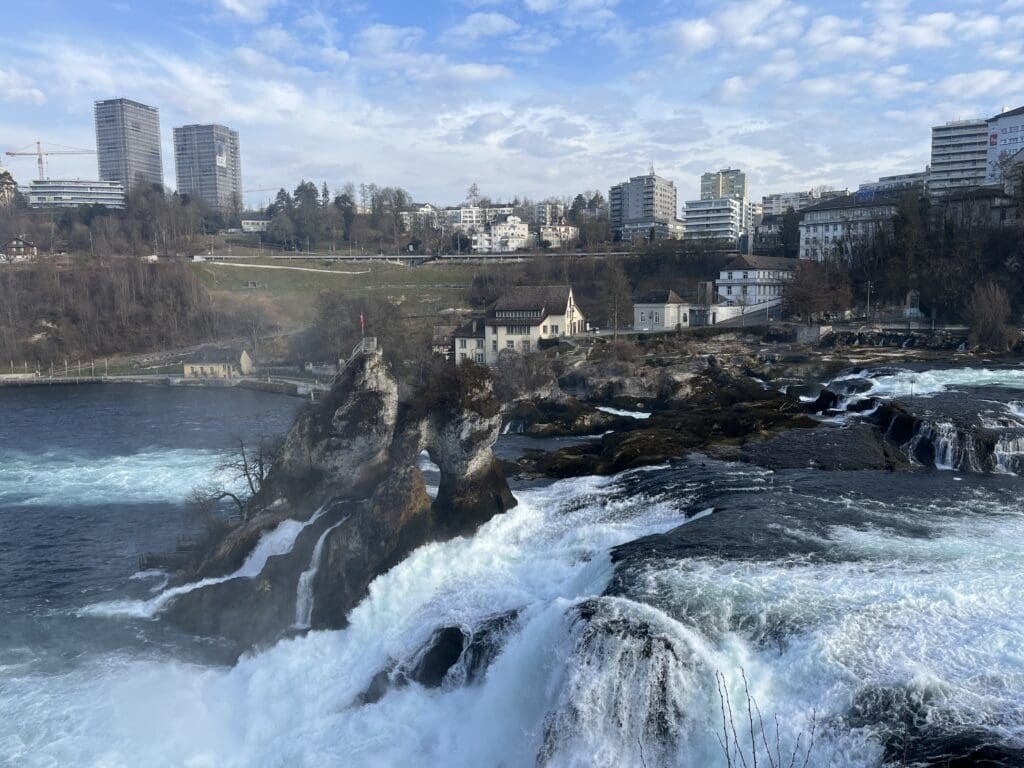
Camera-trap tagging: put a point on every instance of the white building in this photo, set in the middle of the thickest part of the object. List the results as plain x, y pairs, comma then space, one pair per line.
508, 236
661, 310
469, 218
830, 229
547, 214
422, 216
558, 235
754, 282
1005, 139
778, 203
894, 185
959, 156
719, 218
71, 193
524, 319
255, 225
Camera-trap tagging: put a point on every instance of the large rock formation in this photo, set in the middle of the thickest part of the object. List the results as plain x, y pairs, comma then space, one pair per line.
354, 458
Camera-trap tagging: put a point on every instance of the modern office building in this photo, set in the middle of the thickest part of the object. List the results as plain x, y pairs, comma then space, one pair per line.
1005, 140
128, 142
720, 218
71, 193
208, 165
898, 184
643, 205
728, 182
959, 156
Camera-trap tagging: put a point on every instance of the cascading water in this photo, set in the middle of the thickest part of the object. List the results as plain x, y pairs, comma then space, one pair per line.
304, 593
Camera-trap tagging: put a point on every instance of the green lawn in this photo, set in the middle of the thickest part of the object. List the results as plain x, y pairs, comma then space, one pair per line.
420, 289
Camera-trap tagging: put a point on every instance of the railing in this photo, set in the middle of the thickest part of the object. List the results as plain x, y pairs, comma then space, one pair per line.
365, 346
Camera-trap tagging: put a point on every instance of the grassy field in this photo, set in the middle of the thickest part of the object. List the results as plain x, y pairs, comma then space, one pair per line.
292, 286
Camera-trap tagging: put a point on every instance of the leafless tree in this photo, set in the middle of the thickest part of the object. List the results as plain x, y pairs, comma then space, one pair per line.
988, 314
242, 474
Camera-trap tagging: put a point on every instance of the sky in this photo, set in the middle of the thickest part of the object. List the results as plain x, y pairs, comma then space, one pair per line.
533, 98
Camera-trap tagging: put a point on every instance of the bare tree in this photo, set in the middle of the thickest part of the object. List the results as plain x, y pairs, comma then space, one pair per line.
988, 314
242, 475
618, 297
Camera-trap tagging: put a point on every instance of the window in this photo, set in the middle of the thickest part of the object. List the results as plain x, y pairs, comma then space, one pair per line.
462, 343
510, 344
642, 318
526, 345
479, 343
544, 329
479, 357
494, 345
554, 329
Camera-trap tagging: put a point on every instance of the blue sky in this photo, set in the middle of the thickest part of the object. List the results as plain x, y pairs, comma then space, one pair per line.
532, 97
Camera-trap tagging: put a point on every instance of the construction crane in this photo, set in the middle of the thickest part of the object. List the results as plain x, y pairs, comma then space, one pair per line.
39, 153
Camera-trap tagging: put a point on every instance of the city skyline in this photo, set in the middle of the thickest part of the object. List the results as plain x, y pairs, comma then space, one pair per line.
539, 98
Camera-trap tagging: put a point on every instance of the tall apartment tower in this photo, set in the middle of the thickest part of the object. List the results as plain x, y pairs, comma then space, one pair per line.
728, 182
128, 142
959, 156
642, 204
208, 165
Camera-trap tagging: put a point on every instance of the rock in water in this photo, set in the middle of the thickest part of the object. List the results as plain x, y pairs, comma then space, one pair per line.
357, 450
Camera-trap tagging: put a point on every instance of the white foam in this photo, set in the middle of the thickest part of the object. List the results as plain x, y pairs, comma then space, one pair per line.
304, 592
277, 541
59, 479
904, 383
620, 412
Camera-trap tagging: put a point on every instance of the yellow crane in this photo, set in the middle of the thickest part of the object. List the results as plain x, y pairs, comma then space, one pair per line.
39, 153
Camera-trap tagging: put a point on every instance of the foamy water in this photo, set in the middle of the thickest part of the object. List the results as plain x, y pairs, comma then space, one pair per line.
152, 476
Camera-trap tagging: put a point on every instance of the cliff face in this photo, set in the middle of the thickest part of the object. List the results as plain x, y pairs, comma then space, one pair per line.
354, 458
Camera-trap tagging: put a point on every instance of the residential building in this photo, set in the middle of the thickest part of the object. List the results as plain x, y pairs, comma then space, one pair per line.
71, 193
208, 165
547, 214
422, 215
768, 231
898, 184
17, 249
128, 142
980, 207
508, 236
217, 363
1005, 139
527, 317
469, 218
778, 203
754, 282
831, 228
715, 219
559, 234
469, 343
959, 156
252, 225
442, 339
644, 206
728, 182
661, 310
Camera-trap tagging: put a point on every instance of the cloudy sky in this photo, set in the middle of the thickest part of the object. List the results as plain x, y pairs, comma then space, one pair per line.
528, 97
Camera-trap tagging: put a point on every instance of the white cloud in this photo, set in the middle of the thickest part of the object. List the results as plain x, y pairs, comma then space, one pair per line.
16, 87
275, 39
969, 85
693, 35
480, 25
252, 11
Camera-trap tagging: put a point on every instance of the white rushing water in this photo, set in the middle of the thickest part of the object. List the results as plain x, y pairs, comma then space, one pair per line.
304, 592
277, 541
940, 615
904, 383
640, 415
147, 477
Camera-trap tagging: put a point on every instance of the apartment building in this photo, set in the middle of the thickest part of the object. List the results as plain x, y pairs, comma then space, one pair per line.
1005, 140
728, 182
643, 206
208, 165
559, 235
506, 236
832, 228
71, 193
128, 142
720, 218
959, 156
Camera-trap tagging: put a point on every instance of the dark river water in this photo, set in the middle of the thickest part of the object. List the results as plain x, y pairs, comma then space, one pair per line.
878, 618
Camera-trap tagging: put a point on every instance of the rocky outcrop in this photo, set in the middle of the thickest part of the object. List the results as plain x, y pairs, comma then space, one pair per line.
563, 417
354, 458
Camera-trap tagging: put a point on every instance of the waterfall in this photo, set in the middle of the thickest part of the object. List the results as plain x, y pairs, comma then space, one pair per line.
277, 541
1008, 455
304, 593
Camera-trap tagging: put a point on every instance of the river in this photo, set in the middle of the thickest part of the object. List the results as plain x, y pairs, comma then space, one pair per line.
876, 617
